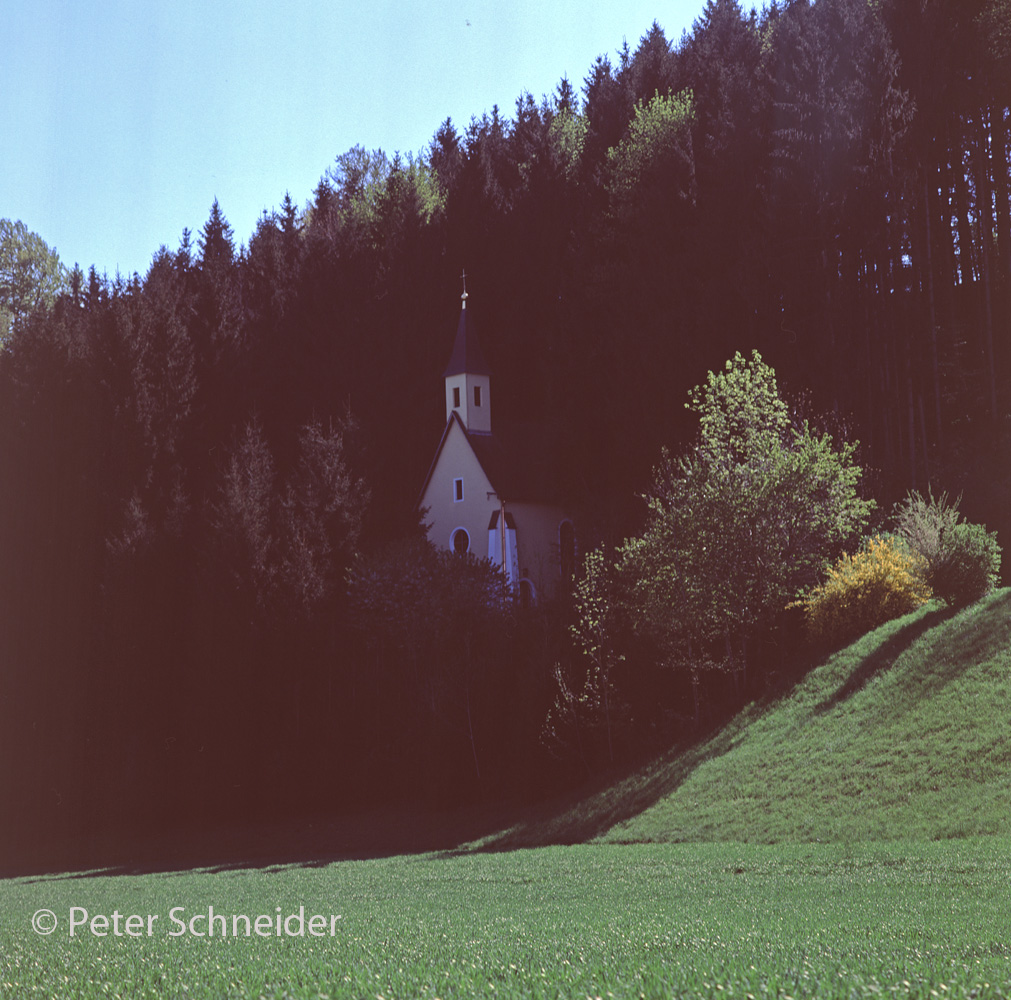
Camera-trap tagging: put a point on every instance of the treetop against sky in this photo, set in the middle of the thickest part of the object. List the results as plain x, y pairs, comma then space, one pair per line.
124, 121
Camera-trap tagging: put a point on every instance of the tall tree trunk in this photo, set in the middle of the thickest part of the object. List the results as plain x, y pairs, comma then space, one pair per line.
871, 369
999, 131
728, 652
470, 721
893, 411
606, 679
931, 307
829, 320
470, 733
910, 406
984, 206
947, 215
945, 256
923, 437
884, 340
967, 269
695, 681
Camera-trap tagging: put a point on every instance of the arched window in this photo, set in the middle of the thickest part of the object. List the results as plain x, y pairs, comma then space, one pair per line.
528, 596
461, 541
567, 549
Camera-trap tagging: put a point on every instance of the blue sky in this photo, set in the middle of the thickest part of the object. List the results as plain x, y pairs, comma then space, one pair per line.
122, 120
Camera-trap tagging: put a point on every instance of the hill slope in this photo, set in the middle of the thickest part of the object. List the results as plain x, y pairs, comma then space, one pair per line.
904, 734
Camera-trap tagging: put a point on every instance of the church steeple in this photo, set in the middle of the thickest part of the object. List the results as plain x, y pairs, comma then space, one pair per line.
467, 376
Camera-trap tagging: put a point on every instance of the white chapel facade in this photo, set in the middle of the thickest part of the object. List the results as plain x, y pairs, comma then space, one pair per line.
481, 477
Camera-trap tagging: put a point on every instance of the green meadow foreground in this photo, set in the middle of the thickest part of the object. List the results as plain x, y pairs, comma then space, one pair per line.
710, 920
850, 840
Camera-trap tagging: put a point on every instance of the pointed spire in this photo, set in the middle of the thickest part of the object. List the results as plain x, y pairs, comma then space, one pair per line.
467, 356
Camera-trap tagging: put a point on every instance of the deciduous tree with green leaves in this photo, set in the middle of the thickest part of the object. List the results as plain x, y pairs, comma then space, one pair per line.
740, 524
591, 699
31, 275
653, 168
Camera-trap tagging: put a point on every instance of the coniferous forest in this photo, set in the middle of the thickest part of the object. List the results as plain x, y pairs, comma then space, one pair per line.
215, 600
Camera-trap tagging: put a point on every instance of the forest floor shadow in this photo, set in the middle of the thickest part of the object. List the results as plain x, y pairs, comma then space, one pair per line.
271, 845
617, 797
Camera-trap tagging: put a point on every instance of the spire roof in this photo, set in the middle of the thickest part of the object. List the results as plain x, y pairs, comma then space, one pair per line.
467, 355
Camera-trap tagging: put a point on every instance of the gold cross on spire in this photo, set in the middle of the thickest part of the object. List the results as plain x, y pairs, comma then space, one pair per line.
463, 298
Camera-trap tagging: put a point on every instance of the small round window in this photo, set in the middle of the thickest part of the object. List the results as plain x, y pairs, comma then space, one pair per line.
461, 541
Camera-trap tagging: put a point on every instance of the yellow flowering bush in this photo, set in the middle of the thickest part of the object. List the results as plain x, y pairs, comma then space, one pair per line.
882, 581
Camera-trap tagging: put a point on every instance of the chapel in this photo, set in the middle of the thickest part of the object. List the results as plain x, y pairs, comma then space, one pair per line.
489, 490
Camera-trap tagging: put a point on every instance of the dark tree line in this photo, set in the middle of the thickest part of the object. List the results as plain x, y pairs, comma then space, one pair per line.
197, 462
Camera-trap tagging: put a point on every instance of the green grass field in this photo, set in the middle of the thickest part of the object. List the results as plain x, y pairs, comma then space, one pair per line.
712, 920
850, 840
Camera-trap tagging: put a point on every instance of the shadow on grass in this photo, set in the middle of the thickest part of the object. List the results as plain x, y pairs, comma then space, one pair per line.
581, 814
977, 635
883, 658
583, 817
274, 846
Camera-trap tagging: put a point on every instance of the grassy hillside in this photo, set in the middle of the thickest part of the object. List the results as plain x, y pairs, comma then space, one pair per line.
905, 734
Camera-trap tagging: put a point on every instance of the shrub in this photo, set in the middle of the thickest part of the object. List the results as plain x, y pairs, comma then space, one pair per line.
921, 522
967, 565
882, 581
962, 560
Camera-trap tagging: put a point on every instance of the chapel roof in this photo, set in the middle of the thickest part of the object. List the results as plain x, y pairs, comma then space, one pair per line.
467, 355
519, 464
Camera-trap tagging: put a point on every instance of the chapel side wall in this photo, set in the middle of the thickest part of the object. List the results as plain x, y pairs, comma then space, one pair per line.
537, 531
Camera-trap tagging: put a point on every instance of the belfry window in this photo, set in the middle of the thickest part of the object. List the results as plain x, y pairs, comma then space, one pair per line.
456, 397
457, 490
477, 395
